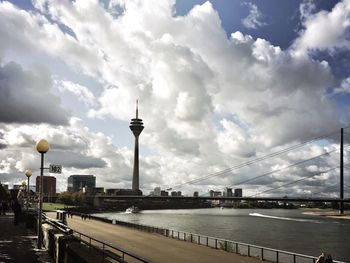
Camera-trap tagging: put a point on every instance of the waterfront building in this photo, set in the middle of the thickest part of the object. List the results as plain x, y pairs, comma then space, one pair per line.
179, 193
195, 194
136, 126
119, 191
98, 190
49, 185
77, 182
228, 192
164, 193
238, 192
173, 193
213, 193
156, 192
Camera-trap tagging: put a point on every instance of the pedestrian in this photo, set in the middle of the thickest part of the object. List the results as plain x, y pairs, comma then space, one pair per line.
16, 207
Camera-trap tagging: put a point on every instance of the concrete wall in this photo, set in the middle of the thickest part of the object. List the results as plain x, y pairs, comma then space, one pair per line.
64, 248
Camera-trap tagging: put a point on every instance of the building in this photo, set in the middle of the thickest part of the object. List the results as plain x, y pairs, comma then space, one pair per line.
136, 126
213, 193
49, 185
238, 192
164, 193
98, 190
117, 191
77, 182
156, 192
228, 192
195, 194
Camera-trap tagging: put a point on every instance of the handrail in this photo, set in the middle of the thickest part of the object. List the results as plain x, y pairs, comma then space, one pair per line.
64, 228
124, 252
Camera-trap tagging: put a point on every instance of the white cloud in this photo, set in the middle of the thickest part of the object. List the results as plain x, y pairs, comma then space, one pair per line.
344, 87
208, 101
325, 30
81, 92
253, 20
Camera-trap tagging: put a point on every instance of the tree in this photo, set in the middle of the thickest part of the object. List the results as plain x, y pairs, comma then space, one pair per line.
3, 194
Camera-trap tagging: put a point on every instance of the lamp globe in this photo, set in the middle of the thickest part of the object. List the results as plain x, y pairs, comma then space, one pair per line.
42, 146
28, 173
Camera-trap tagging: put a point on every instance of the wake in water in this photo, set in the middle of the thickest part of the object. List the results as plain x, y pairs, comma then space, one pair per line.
286, 218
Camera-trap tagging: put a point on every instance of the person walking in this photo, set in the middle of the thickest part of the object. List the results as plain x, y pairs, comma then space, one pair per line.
16, 208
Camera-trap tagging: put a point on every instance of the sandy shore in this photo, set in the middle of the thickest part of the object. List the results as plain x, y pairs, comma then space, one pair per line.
327, 213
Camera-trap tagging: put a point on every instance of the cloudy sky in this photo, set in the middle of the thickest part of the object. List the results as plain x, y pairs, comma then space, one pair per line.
219, 83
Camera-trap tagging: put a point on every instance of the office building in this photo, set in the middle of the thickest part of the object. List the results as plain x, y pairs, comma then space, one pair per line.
238, 192
49, 185
77, 182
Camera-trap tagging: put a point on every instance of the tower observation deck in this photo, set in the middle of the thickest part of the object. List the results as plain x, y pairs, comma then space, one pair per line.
136, 126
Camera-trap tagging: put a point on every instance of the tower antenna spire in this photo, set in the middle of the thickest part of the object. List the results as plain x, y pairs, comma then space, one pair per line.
137, 109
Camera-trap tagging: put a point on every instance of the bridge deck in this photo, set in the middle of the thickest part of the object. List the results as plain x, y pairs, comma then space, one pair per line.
152, 246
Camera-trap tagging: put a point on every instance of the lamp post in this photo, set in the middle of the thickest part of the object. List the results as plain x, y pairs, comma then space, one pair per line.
28, 173
42, 147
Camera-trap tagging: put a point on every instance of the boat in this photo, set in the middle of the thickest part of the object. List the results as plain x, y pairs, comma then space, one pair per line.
132, 210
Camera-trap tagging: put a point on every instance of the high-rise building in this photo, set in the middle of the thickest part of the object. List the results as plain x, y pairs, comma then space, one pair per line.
136, 126
228, 192
238, 192
49, 185
78, 181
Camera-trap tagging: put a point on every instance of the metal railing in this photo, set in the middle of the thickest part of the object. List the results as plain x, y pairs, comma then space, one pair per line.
263, 253
107, 250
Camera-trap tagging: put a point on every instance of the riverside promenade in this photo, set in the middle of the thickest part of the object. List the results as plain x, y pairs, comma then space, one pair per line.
151, 246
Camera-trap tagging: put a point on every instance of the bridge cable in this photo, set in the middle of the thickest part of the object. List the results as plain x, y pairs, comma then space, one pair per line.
274, 154
293, 182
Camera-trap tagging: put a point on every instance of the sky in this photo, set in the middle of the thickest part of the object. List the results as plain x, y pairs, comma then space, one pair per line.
220, 84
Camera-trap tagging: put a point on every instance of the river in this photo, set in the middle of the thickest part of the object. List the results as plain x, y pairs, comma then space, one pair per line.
289, 230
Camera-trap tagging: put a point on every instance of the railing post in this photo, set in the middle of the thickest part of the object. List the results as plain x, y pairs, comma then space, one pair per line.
185, 236
277, 260
248, 251
191, 238
216, 243
178, 234
207, 241
262, 254
236, 248
199, 239
225, 245
294, 258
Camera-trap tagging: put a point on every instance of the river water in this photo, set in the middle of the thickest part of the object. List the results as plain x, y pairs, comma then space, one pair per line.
289, 230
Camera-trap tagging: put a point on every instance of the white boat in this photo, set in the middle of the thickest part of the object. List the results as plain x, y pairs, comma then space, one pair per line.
132, 210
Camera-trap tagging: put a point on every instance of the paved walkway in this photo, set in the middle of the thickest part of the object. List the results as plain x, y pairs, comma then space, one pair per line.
153, 246
17, 243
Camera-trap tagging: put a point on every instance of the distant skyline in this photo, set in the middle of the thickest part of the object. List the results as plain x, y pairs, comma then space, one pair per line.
219, 83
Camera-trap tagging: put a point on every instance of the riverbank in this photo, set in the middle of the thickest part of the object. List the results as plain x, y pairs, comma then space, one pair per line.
328, 213
151, 246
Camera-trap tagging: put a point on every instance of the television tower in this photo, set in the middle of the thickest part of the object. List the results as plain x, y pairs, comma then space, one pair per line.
136, 126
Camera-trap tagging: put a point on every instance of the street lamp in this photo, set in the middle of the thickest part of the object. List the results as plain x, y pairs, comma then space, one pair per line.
42, 147
28, 173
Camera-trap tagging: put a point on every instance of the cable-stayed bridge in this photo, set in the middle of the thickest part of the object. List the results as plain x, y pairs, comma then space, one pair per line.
320, 196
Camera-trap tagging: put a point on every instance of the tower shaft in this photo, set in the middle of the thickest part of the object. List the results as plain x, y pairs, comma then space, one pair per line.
135, 176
